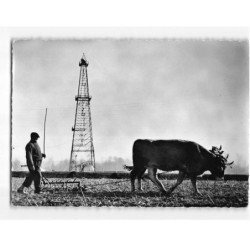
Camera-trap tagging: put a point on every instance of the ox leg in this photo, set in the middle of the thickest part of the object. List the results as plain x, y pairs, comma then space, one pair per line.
180, 179
155, 180
139, 176
132, 178
193, 180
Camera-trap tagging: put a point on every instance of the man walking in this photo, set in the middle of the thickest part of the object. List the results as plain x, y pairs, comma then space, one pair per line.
34, 161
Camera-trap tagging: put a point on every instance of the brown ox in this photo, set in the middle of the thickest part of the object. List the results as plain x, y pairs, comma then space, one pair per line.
187, 157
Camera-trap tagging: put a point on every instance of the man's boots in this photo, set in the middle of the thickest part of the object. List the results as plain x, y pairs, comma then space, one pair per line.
20, 189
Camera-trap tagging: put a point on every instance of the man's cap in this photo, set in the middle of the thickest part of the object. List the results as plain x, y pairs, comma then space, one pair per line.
34, 135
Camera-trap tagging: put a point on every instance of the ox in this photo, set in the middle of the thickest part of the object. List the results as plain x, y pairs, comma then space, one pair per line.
187, 157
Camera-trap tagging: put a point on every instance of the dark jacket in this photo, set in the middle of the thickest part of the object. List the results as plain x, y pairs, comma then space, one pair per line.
33, 154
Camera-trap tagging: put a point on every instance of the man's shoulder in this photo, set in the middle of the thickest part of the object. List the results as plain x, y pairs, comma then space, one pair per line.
29, 145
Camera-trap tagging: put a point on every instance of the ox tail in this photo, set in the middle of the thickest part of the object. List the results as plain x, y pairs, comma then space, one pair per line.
128, 168
138, 160
139, 147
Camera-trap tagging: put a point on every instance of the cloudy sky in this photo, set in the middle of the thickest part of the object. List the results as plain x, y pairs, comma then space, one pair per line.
158, 89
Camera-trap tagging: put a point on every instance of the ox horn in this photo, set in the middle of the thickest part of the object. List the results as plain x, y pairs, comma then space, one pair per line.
225, 158
221, 152
230, 163
220, 148
213, 149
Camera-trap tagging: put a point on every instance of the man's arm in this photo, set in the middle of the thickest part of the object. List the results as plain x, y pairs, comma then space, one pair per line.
29, 157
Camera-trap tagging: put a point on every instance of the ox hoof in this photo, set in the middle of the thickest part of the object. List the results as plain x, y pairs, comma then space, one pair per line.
166, 193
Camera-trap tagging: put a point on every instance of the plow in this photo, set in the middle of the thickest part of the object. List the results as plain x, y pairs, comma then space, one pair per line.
65, 183
61, 184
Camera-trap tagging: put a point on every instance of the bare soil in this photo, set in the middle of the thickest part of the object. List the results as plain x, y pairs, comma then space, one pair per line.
116, 193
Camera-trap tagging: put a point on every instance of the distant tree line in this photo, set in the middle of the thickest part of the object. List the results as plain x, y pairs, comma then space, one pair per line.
110, 164
114, 163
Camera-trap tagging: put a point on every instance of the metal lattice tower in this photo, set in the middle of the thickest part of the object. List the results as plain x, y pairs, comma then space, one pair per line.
82, 151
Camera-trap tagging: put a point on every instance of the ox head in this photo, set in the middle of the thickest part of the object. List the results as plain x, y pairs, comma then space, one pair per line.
219, 162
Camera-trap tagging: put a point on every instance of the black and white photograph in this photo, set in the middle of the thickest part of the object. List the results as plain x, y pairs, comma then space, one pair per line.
124, 124
129, 122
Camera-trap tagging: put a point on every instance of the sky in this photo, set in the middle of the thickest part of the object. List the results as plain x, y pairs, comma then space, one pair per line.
141, 88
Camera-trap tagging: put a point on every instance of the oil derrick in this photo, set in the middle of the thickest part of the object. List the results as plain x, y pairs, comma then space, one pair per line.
82, 152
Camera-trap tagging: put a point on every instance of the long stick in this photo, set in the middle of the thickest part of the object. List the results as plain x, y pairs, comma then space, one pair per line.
44, 129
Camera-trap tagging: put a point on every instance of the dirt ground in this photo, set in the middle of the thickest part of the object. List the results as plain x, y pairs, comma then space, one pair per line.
116, 193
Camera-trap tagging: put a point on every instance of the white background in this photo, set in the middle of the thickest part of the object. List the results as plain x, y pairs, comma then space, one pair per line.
168, 228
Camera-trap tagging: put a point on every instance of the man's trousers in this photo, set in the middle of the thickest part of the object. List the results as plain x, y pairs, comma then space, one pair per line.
34, 175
